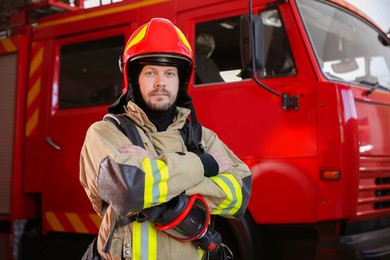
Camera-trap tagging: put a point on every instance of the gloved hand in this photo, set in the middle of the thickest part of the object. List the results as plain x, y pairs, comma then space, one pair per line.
216, 162
210, 165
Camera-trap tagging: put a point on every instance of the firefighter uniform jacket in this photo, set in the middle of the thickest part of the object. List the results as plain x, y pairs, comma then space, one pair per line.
129, 184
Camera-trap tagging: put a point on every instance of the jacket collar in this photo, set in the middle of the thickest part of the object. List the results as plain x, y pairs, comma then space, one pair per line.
141, 119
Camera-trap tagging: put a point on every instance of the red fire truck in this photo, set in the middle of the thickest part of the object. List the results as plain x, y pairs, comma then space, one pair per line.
299, 89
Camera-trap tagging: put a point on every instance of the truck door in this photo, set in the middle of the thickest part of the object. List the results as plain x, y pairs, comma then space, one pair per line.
86, 80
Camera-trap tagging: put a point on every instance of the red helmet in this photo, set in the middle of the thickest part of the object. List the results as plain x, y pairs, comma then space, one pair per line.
158, 42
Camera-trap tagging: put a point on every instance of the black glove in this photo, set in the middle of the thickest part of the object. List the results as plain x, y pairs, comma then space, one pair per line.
210, 165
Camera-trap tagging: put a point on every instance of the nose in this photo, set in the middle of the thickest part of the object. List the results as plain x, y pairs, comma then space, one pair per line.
160, 82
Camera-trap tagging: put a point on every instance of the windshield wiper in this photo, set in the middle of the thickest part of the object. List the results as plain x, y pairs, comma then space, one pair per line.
374, 86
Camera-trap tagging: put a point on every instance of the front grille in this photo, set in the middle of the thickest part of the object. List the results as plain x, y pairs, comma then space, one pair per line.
380, 181
374, 185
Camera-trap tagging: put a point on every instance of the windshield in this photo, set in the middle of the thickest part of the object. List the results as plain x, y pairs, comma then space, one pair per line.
347, 48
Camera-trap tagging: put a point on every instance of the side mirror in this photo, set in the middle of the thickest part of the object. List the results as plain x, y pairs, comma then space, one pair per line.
252, 41
253, 56
385, 40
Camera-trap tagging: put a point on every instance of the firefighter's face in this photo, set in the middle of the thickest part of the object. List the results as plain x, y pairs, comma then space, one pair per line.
159, 86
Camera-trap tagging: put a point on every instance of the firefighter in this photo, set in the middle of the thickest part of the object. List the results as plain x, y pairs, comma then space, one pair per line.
123, 180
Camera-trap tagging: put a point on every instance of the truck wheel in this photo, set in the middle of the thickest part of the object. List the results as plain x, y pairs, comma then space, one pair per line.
54, 245
32, 244
244, 238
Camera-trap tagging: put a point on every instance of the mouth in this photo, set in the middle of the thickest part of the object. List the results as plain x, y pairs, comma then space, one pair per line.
159, 94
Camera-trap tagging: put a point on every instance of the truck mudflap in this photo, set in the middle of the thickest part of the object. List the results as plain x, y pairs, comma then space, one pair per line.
373, 244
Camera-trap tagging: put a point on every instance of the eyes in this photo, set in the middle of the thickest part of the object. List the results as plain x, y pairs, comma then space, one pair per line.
169, 73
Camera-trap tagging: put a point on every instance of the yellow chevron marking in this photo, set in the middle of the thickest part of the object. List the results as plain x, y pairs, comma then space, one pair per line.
36, 61
76, 222
32, 122
8, 44
54, 222
96, 219
33, 92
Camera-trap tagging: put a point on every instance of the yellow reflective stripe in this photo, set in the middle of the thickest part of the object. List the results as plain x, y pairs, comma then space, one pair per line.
152, 245
226, 202
156, 177
144, 241
232, 189
201, 253
238, 192
137, 38
136, 240
163, 184
149, 179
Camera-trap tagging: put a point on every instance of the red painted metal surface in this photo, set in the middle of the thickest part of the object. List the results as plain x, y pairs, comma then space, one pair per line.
336, 127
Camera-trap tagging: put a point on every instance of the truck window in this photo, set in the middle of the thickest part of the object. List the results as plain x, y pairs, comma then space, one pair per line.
89, 73
217, 50
347, 48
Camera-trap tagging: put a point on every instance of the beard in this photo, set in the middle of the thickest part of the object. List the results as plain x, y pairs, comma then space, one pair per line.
158, 105
160, 112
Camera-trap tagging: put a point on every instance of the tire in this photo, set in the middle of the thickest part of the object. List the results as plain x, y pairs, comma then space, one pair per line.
243, 237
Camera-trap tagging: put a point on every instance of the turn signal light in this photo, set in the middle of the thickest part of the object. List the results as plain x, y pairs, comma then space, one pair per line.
329, 175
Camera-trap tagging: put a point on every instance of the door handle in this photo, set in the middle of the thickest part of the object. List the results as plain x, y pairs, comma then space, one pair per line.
52, 144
